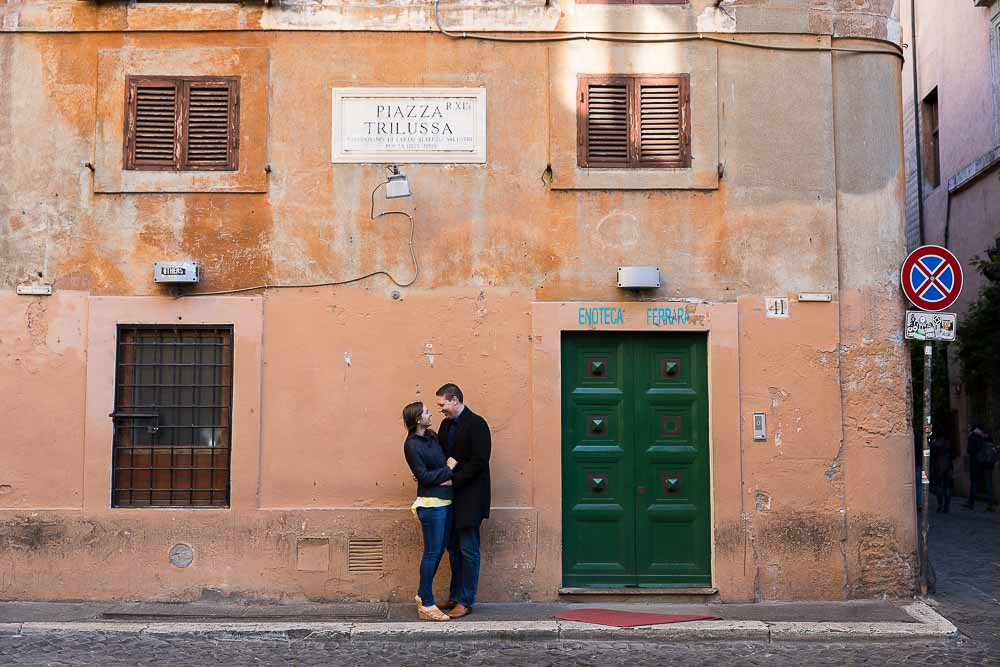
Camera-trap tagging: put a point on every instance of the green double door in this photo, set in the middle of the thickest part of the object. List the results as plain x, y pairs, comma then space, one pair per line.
635, 460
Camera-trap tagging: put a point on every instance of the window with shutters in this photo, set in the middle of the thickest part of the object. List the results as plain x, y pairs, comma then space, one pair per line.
633, 121
182, 123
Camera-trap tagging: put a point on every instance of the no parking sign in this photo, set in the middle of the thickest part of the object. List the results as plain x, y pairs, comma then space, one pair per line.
931, 278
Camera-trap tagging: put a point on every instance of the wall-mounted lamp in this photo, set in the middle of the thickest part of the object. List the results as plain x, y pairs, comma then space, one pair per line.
397, 185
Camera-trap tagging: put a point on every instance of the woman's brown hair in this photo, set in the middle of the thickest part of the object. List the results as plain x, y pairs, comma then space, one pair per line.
411, 415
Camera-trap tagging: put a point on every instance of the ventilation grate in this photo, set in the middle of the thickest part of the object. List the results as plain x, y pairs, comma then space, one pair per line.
365, 555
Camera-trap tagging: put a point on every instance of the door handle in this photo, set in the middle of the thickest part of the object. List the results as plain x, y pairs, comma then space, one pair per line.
134, 415
641, 489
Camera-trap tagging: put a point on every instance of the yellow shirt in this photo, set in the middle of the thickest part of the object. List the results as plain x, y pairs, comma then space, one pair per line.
428, 502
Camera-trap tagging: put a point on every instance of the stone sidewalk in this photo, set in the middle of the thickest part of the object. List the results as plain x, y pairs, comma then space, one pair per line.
767, 622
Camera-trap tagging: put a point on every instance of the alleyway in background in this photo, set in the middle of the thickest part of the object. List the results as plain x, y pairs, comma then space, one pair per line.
965, 550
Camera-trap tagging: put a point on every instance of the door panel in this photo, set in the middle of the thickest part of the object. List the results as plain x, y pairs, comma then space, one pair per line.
635, 460
672, 513
597, 464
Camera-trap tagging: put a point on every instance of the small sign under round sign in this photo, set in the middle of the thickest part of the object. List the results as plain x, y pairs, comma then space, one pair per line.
931, 278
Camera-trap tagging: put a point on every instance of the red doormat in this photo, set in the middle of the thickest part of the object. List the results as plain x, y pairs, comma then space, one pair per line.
628, 619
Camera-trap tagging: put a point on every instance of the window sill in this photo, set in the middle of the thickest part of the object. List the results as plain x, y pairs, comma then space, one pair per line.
582, 178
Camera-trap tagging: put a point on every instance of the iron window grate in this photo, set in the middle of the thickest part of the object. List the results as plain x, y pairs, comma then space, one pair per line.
173, 416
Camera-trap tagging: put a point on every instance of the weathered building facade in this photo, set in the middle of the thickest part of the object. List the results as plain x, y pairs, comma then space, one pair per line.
953, 198
157, 444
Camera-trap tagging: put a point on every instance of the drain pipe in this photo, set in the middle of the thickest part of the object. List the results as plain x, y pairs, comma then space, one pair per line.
916, 122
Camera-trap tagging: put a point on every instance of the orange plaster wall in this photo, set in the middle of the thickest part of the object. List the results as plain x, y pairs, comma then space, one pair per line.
43, 361
334, 391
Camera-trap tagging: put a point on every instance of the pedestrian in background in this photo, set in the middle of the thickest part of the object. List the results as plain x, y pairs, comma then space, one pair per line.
942, 474
982, 454
918, 466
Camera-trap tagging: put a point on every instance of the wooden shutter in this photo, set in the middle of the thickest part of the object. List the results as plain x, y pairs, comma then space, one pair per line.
633, 121
151, 123
603, 121
182, 123
661, 117
211, 124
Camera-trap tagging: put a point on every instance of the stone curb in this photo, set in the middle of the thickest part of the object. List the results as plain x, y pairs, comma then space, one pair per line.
929, 625
465, 630
690, 631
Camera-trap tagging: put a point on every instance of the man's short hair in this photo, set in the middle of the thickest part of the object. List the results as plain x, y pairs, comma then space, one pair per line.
450, 391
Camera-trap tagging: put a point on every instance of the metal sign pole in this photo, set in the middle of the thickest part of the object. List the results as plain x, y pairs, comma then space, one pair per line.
924, 480
931, 278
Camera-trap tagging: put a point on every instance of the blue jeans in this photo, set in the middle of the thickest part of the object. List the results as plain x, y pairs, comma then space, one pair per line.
463, 553
436, 524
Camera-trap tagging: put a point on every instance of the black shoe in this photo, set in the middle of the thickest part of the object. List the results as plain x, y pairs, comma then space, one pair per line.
990, 508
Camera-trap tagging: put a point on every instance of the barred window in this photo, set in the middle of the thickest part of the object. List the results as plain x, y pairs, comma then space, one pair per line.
173, 416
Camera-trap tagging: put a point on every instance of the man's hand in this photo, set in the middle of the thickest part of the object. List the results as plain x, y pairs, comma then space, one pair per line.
452, 463
448, 483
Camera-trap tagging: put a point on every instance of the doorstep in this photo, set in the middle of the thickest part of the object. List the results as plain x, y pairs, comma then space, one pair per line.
594, 594
588, 590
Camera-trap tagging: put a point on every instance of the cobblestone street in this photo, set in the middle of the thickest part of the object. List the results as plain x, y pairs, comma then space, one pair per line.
110, 650
966, 548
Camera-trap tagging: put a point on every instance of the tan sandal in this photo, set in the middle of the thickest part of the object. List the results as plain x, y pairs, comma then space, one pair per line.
432, 613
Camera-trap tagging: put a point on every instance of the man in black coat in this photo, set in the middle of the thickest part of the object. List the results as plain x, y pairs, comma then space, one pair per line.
465, 437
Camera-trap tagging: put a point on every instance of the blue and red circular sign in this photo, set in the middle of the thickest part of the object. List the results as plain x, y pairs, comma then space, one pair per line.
931, 278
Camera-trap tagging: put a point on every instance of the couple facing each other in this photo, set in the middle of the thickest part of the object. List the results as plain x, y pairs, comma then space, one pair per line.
452, 470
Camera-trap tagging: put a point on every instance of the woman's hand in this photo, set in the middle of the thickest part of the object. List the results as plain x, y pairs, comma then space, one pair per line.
448, 483
452, 463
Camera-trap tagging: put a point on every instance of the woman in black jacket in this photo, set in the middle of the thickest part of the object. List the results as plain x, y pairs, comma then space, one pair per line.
433, 507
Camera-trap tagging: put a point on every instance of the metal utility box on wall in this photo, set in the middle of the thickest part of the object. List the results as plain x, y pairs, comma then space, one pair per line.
176, 272
638, 277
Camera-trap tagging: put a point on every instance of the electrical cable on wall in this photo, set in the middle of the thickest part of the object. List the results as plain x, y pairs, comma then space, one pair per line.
694, 37
334, 283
